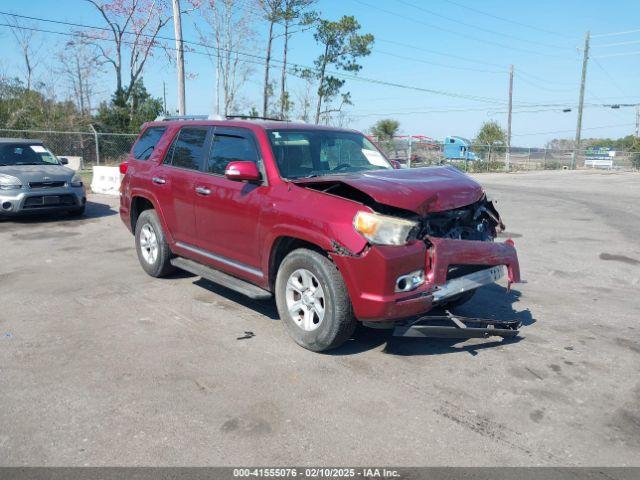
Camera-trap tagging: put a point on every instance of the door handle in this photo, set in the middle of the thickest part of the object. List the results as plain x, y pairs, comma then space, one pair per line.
203, 191
158, 180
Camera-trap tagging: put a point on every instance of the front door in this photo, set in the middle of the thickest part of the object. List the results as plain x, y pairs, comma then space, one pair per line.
227, 211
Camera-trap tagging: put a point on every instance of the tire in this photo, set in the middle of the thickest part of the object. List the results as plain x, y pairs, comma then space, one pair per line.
153, 250
459, 300
337, 323
77, 212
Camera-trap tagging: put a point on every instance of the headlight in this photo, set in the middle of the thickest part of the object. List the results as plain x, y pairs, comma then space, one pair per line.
8, 182
383, 229
76, 181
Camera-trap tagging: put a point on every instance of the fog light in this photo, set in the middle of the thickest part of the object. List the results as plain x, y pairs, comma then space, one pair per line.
7, 206
410, 281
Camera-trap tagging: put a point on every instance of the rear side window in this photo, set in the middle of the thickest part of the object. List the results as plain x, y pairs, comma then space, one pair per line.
143, 148
188, 148
230, 148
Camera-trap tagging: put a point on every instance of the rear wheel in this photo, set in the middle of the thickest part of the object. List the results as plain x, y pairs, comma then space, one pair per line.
153, 250
313, 301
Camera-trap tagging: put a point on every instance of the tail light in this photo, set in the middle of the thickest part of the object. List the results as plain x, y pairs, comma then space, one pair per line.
124, 166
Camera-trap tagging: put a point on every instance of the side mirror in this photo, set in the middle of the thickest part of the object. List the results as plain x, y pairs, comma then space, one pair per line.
64, 160
395, 164
243, 172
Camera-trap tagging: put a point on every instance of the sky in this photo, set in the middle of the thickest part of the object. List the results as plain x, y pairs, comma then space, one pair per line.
445, 63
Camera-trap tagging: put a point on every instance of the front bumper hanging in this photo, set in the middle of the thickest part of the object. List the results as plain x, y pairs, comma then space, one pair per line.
453, 326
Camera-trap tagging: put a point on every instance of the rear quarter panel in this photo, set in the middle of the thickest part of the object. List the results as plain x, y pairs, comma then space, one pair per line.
137, 181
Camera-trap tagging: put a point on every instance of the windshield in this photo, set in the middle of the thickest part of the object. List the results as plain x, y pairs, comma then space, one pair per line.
25, 154
311, 153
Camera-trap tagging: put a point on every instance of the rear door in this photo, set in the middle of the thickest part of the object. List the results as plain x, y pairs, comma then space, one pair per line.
174, 181
227, 211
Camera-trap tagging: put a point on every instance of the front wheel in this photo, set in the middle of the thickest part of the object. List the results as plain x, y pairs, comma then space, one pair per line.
313, 301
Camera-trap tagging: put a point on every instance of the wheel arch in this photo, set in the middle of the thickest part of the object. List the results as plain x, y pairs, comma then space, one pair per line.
141, 201
283, 245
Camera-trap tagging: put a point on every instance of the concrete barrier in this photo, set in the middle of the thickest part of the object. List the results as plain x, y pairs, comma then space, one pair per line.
598, 163
106, 180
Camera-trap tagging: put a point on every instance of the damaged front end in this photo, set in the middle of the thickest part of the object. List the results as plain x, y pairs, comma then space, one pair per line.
439, 244
462, 253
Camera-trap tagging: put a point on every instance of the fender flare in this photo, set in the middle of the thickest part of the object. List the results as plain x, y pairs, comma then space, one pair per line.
149, 195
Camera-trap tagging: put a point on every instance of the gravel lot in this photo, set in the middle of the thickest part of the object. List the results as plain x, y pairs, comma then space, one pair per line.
103, 365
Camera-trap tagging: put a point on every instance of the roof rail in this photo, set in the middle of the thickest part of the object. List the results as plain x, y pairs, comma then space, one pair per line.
253, 117
169, 118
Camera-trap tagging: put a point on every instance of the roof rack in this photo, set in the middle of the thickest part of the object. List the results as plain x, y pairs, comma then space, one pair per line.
169, 118
253, 117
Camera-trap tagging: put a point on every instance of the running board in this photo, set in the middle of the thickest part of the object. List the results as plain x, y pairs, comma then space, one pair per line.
221, 278
453, 326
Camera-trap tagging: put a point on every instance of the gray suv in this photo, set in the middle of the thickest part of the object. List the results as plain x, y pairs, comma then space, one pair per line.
32, 180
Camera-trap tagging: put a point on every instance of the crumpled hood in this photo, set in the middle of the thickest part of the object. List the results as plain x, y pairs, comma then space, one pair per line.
420, 190
36, 173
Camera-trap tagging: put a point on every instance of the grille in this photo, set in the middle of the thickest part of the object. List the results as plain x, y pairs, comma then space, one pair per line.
43, 201
55, 184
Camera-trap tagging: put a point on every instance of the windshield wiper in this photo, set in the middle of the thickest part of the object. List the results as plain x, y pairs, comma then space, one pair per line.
29, 163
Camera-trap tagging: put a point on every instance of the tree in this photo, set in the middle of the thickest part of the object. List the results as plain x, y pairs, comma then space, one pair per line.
490, 137
385, 129
304, 97
116, 116
24, 36
232, 32
273, 11
560, 144
79, 64
295, 14
342, 47
26, 108
133, 27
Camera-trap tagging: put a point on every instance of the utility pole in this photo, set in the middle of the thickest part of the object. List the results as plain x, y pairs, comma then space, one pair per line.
177, 27
508, 156
638, 121
585, 60
164, 97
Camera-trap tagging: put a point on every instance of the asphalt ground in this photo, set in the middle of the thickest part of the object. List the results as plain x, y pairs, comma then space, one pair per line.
102, 365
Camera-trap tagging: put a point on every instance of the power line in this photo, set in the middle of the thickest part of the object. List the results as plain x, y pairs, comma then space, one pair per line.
611, 34
436, 52
637, 52
436, 64
457, 33
261, 61
508, 20
613, 80
617, 44
536, 85
483, 29
543, 79
569, 131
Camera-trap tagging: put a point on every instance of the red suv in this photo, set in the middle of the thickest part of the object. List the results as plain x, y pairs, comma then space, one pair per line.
315, 216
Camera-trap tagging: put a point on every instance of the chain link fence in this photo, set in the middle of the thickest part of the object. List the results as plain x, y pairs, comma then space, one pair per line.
419, 152
92, 148
95, 148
